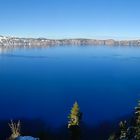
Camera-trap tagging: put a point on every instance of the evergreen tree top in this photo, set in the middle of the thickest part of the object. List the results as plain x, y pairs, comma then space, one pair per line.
75, 115
75, 109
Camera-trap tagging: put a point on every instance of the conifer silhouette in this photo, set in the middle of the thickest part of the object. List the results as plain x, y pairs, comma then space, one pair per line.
137, 123
74, 122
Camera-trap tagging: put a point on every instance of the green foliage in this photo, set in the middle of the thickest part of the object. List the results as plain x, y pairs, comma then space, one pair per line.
137, 125
123, 130
131, 132
112, 137
75, 116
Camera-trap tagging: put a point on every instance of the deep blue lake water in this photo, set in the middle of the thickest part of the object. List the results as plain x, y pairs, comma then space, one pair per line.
45, 82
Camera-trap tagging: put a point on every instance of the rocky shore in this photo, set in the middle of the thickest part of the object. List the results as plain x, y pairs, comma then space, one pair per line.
15, 42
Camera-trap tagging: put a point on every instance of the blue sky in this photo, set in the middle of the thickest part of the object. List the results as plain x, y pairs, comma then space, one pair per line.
70, 18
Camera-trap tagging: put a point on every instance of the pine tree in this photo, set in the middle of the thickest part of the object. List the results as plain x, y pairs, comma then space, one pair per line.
123, 130
74, 122
122, 133
75, 116
133, 131
137, 123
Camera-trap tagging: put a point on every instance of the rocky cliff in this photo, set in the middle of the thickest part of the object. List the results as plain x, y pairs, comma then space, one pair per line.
14, 42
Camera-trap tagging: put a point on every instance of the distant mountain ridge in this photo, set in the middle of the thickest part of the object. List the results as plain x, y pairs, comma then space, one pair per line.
15, 41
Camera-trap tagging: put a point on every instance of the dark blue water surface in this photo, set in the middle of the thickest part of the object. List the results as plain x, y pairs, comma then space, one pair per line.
44, 83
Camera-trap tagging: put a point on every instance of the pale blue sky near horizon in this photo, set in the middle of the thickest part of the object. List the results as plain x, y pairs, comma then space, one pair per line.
119, 19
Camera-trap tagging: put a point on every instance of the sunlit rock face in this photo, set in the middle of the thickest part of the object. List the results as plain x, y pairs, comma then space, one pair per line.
30, 42
27, 138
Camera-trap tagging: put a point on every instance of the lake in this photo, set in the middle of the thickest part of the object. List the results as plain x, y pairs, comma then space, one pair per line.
45, 82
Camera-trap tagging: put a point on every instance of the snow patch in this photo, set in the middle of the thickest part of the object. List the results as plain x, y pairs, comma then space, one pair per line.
27, 138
